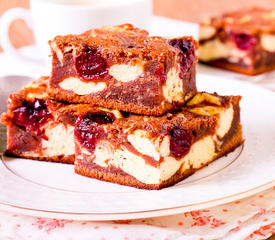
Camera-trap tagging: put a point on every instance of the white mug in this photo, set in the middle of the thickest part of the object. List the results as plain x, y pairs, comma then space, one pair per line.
49, 18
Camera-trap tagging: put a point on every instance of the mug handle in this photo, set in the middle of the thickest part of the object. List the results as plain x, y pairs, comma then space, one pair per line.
7, 18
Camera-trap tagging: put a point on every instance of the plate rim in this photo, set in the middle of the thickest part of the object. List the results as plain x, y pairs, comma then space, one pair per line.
134, 215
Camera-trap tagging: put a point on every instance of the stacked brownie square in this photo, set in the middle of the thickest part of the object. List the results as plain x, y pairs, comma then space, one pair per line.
123, 107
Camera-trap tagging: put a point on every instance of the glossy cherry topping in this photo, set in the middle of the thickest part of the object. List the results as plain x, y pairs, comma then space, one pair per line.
244, 41
187, 54
32, 115
87, 129
90, 65
180, 142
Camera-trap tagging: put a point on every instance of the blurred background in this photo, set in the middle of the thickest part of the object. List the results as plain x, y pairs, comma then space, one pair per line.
176, 9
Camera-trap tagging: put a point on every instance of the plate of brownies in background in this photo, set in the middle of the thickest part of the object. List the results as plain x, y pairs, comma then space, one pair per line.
242, 43
124, 128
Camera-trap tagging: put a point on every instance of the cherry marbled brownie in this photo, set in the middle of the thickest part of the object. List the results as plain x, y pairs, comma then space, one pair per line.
155, 152
123, 68
241, 41
36, 127
40, 128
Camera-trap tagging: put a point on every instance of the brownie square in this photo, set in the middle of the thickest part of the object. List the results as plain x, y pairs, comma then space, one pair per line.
157, 152
123, 68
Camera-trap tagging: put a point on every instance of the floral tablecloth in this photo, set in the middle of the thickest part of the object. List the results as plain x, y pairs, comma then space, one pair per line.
249, 218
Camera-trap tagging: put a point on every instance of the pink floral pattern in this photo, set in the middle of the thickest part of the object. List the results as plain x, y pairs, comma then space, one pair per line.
48, 225
264, 231
250, 219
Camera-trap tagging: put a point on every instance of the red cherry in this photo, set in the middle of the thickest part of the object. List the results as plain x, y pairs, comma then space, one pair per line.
90, 65
180, 142
32, 116
187, 54
88, 131
244, 41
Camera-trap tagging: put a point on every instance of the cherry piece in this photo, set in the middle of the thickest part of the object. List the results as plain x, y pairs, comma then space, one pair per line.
244, 41
32, 116
187, 54
88, 131
90, 65
180, 142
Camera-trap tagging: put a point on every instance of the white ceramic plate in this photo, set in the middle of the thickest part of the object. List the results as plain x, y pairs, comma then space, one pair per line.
53, 190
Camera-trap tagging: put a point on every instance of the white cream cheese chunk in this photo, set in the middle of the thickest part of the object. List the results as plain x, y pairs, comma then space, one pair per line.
206, 32
102, 154
126, 72
60, 140
212, 49
201, 152
81, 88
173, 88
135, 166
268, 42
225, 122
141, 142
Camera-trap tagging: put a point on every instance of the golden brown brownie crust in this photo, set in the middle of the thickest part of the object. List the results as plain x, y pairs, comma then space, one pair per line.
121, 42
